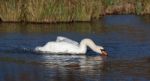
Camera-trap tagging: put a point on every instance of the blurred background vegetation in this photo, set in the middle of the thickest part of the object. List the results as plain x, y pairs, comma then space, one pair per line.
68, 10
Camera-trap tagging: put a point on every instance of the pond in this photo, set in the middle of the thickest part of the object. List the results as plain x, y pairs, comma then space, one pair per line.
125, 37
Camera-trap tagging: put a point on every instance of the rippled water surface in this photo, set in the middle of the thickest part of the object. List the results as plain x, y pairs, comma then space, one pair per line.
125, 37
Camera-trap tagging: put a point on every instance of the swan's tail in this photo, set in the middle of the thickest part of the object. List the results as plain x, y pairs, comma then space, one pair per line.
38, 48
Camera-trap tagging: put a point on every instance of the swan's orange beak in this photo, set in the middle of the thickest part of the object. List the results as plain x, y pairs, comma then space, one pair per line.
104, 53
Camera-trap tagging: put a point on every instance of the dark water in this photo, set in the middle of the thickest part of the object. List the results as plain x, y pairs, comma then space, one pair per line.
125, 37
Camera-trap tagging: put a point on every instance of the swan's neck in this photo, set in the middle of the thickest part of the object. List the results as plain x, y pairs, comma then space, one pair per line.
87, 42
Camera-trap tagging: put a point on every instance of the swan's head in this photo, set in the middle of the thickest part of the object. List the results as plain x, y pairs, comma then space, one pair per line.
101, 50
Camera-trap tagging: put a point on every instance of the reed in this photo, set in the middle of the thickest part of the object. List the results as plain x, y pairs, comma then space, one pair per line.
146, 6
49, 10
10, 10
68, 10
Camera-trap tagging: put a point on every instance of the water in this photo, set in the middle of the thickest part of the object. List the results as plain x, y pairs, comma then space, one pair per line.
125, 37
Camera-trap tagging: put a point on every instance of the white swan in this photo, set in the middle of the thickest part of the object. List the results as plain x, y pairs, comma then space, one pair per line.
65, 45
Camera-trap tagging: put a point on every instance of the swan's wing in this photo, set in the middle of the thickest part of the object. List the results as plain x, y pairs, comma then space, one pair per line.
65, 39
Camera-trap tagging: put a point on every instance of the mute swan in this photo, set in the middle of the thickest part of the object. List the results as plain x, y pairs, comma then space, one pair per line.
65, 45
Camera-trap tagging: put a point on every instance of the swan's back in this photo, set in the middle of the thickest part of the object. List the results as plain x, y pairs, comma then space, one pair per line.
65, 39
59, 47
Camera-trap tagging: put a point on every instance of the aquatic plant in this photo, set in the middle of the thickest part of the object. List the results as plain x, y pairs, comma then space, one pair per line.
10, 10
139, 7
68, 10
146, 6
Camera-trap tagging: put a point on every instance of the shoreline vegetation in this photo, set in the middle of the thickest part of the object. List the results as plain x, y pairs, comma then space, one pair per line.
52, 11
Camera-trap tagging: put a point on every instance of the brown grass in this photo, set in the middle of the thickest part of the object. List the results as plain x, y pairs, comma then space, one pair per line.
68, 10
146, 6
10, 10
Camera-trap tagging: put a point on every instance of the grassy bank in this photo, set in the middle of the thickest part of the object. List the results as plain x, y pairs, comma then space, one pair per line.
68, 10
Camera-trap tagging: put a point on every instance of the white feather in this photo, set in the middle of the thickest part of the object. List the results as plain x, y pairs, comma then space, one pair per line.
64, 45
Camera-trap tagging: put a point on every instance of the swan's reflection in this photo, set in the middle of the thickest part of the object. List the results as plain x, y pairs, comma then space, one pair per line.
81, 61
76, 68
92, 66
